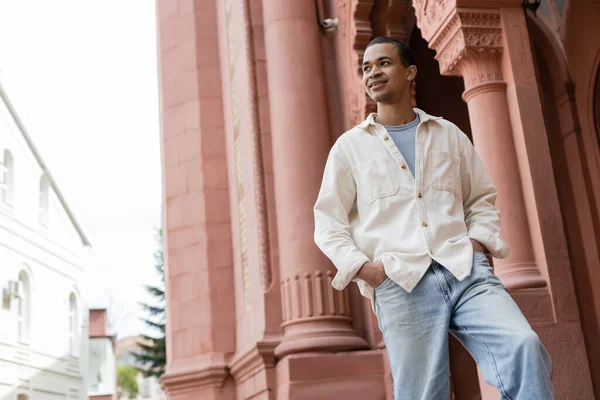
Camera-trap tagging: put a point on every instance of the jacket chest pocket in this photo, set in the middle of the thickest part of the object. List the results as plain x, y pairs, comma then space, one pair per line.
445, 171
376, 179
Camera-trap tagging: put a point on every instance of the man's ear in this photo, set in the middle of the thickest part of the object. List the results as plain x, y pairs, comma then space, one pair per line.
412, 72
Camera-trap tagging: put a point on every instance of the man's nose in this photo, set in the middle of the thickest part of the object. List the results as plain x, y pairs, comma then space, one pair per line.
375, 72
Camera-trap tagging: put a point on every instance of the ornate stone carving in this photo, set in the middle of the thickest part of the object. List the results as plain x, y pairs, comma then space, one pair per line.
470, 44
241, 196
430, 14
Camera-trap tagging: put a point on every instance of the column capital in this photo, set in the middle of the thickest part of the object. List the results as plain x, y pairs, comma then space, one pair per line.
468, 42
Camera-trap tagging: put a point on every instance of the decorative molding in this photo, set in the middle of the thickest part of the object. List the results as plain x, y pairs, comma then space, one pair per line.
315, 316
258, 358
517, 276
237, 151
264, 251
311, 296
181, 381
492, 86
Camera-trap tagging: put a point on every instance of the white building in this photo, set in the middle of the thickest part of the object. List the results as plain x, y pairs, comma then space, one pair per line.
44, 254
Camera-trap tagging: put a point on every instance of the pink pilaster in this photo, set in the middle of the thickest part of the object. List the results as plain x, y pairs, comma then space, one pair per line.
316, 317
199, 274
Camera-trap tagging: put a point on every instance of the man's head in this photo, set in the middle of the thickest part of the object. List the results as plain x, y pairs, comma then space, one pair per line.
388, 70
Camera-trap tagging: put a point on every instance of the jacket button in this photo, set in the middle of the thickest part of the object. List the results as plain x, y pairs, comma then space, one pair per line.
425, 224
419, 195
386, 138
403, 166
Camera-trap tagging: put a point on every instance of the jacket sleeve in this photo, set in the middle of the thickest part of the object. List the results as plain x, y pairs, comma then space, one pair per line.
479, 193
334, 202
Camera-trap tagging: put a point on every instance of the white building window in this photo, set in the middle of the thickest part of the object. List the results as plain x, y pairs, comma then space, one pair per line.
102, 367
44, 202
7, 179
23, 308
73, 322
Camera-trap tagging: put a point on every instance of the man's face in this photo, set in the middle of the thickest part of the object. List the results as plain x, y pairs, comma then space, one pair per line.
385, 78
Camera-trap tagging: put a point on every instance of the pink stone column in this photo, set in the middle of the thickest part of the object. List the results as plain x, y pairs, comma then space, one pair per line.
493, 140
316, 317
470, 44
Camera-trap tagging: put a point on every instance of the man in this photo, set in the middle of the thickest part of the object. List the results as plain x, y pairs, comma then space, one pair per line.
407, 210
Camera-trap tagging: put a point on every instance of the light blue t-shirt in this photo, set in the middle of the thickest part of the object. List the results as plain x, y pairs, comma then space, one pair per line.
404, 136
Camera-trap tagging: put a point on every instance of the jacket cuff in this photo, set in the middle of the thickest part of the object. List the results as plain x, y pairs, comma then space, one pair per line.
493, 243
344, 276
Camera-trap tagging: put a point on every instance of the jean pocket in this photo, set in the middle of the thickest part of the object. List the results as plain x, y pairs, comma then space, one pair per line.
482, 261
383, 284
479, 257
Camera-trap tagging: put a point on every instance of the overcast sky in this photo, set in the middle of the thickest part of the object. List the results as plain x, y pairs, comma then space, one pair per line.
82, 75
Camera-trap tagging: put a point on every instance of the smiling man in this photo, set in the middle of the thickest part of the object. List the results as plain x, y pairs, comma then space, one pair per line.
407, 210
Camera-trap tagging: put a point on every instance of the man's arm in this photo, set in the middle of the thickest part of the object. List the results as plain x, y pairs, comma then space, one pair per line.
479, 202
334, 202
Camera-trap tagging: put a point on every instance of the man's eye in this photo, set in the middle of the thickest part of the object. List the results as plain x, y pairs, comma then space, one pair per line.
384, 63
366, 69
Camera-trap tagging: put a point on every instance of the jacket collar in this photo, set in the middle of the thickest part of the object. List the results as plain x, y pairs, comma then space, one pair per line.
423, 116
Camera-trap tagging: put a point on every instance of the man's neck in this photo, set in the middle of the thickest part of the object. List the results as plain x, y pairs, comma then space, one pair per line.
395, 114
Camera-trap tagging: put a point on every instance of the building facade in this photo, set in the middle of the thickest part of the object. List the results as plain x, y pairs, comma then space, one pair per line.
44, 255
254, 93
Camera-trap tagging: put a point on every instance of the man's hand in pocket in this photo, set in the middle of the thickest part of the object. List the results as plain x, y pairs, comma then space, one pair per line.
372, 273
478, 246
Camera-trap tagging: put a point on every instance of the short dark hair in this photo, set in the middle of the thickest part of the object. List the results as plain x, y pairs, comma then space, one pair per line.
406, 56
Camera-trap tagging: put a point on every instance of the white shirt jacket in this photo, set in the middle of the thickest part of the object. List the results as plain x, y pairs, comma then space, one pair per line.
370, 207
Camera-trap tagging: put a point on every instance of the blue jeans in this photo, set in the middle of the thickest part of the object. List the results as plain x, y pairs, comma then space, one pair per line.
480, 313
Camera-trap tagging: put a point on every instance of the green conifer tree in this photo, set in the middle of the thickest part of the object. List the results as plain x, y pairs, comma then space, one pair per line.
152, 357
